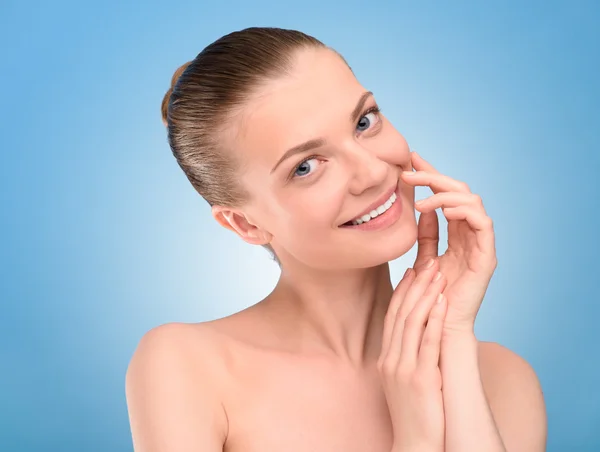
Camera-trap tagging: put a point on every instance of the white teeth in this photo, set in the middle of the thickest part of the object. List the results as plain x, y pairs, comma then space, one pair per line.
378, 211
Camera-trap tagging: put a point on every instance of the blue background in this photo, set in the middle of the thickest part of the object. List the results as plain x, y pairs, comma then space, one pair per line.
104, 238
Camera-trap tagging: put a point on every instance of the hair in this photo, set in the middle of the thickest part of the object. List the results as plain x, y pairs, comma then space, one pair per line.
206, 93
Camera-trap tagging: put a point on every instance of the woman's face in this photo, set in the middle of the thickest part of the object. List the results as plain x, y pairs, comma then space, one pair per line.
316, 153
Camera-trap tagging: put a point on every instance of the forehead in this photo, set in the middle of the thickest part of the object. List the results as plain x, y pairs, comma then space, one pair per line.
317, 95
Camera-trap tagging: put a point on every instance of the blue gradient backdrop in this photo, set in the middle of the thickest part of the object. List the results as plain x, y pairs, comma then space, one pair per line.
103, 237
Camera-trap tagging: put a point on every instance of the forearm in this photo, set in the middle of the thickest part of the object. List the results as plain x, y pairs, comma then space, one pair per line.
469, 421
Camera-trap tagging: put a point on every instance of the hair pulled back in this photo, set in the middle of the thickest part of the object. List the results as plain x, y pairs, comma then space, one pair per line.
208, 90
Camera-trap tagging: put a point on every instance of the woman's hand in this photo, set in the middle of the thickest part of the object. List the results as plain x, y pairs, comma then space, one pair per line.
470, 260
408, 364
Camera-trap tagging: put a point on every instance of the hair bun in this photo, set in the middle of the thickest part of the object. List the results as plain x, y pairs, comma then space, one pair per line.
164, 108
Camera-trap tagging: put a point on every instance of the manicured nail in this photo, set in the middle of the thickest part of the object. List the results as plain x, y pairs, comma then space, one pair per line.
430, 263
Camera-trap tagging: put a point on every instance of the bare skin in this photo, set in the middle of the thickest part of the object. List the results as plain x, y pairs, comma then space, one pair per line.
298, 370
254, 390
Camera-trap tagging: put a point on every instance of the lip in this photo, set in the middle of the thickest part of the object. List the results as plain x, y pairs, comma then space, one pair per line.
378, 202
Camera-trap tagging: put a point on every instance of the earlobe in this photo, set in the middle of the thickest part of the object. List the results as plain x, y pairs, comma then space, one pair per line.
237, 222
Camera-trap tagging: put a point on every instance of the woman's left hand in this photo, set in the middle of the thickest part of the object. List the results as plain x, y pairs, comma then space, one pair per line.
470, 260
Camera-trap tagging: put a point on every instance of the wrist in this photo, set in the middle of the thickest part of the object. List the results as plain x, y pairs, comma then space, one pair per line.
459, 333
459, 352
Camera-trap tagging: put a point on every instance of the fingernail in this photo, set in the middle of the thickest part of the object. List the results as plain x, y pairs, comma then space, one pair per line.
408, 173
430, 263
420, 201
406, 273
440, 298
437, 276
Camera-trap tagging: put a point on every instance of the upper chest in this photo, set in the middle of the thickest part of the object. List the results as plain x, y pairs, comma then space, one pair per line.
276, 403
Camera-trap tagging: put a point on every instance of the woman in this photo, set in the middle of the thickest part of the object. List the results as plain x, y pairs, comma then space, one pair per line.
272, 128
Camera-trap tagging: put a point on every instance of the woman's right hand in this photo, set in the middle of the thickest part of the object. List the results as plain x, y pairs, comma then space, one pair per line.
408, 364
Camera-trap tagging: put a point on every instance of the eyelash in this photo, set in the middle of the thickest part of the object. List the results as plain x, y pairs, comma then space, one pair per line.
375, 109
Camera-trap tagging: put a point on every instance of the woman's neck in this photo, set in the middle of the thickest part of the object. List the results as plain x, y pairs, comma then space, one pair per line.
339, 313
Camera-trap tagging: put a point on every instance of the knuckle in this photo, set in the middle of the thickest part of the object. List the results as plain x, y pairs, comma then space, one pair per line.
401, 313
390, 314
412, 321
436, 315
387, 368
494, 263
429, 342
427, 240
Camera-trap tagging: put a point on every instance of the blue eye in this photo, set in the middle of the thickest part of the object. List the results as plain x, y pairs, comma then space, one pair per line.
366, 121
303, 168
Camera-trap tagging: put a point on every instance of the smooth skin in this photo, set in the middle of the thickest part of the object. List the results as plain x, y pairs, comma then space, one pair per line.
303, 369
408, 363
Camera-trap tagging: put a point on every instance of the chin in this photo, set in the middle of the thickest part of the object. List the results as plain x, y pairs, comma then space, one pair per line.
397, 242
354, 251
366, 253
398, 245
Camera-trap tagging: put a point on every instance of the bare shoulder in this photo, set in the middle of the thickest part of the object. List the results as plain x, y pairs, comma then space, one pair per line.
515, 397
173, 391
181, 345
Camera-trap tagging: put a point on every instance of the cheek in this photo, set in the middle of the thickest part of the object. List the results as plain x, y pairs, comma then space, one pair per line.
308, 218
317, 211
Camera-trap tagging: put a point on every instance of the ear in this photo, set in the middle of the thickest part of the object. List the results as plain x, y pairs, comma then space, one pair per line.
236, 221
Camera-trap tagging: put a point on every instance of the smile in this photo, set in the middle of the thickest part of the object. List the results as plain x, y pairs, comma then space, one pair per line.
380, 210
385, 213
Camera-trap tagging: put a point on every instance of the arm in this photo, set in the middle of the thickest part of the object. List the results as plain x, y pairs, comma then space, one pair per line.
171, 401
492, 398
469, 421
473, 423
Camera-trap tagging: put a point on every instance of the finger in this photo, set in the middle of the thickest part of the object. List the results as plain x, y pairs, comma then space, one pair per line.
414, 325
395, 302
420, 164
436, 181
429, 352
415, 291
449, 199
478, 221
428, 238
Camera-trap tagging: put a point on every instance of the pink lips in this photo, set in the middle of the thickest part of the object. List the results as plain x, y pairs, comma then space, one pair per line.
383, 221
378, 202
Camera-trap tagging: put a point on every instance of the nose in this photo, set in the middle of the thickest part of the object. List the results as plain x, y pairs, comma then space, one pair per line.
366, 169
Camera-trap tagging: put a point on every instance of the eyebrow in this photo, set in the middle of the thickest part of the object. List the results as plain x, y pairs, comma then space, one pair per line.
318, 142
